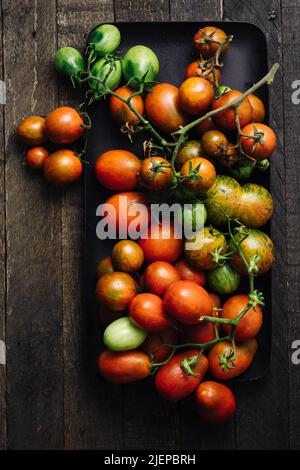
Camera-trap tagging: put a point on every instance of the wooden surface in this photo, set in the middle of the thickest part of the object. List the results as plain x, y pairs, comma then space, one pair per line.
48, 397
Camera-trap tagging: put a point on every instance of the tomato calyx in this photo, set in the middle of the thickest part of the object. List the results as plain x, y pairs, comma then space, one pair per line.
256, 298
226, 360
186, 364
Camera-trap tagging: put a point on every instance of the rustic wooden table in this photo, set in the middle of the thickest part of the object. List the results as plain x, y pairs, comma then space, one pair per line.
48, 399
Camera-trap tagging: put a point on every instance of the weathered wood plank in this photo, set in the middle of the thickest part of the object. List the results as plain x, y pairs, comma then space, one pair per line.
143, 10
262, 418
291, 67
34, 300
193, 10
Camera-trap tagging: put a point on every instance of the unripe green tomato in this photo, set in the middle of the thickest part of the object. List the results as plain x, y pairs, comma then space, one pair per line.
224, 89
104, 39
68, 62
241, 173
223, 279
194, 216
100, 69
140, 61
263, 165
123, 335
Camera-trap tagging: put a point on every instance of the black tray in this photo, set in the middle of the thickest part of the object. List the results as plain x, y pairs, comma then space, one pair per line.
245, 63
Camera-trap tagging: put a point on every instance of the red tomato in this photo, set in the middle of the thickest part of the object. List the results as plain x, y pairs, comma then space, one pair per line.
62, 168
226, 118
156, 173
118, 170
215, 402
199, 174
127, 256
264, 147
216, 301
122, 204
158, 345
36, 157
214, 143
196, 95
258, 108
116, 290
147, 311
32, 130
173, 383
159, 276
64, 125
249, 325
187, 273
204, 126
195, 70
104, 267
201, 333
161, 244
163, 110
107, 316
124, 367
208, 49
120, 111
187, 302
190, 149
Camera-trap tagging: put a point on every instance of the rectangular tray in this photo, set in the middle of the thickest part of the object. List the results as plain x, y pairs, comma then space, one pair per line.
245, 63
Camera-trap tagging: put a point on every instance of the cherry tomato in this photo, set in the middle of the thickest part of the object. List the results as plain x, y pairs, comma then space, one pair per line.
116, 290
215, 402
122, 203
196, 95
64, 125
127, 256
213, 143
147, 312
249, 325
188, 273
223, 279
118, 170
173, 383
107, 316
258, 108
123, 335
156, 173
102, 71
159, 276
158, 345
36, 157
208, 49
196, 70
161, 244
198, 252
120, 112
201, 333
216, 301
140, 62
264, 146
190, 149
199, 174
226, 118
104, 39
187, 302
69, 62
104, 267
62, 168
124, 367
207, 125
32, 130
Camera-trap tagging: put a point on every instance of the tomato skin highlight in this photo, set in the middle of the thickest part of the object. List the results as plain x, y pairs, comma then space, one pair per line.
195, 95
36, 157
124, 367
64, 125
173, 383
120, 111
159, 276
168, 249
215, 402
62, 168
32, 130
127, 256
147, 312
116, 290
118, 170
249, 326
188, 273
159, 344
262, 149
123, 335
226, 118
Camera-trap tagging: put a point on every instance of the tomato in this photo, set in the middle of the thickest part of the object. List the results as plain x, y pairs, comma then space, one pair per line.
201, 333
188, 273
32, 130
159, 276
223, 89
118, 170
124, 367
255, 205
162, 108
104, 39
158, 345
161, 244
199, 251
116, 290
207, 125
127, 256
223, 279
258, 107
194, 217
107, 316
64, 125
222, 199
226, 118
241, 172
196, 70
140, 62
213, 143
230, 156
36, 157
195, 95
187, 301
141, 282
249, 325
156, 173
102, 70
122, 204
216, 301
62, 168
120, 111
264, 147
208, 49
198, 174
147, 312
104, 267
69, 62
215, 402
257, 244
245, 353
173, 383
123, 335
190, 149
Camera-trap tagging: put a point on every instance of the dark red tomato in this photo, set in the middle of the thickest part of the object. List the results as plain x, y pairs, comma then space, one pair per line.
156, 173
123, 205
107, 316
215, 402
64, 125
216, 301
255, 207
199, 174
206, 242
36, 157
120, 111
207, 125
116, 290
127, 256
161, 244
208, 49
118, 170
261, 148
147, 312
188, 273
245, 353
196, 70
190, 149
158, 345
249, 325
62, 168
159, 276
32, 130
214, 143
173, 383
259, 112
124, 367
187, 302
196, 95
226, 118
201, 333
163, 110
104, 267
230, 156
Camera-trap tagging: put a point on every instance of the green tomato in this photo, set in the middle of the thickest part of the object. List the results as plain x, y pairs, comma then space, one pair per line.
100, 69
123, 335
68, 62
224, 89
263, 165
104, 39
241, 173
223, 279
140, 61
194, 216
